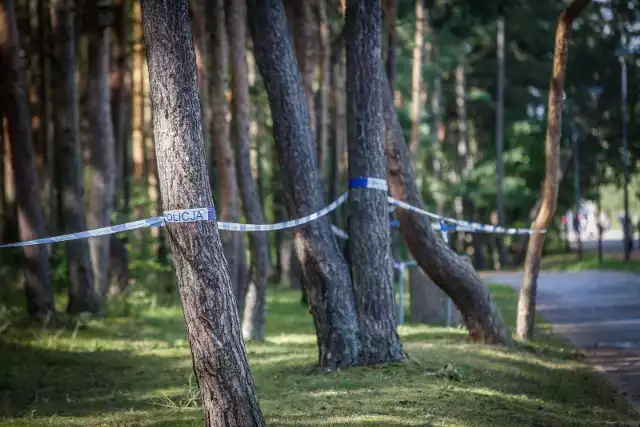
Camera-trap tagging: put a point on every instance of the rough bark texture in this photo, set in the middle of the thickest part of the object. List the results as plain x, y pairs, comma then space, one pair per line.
82, 295
454, 276
14, 104
213, 328
221, 142
369, 250
253, 319
529, 283
102, 152
302, 26
327, 283
390, 16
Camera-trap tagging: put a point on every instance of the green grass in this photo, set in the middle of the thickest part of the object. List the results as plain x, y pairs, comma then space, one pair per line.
589, 261
136, 371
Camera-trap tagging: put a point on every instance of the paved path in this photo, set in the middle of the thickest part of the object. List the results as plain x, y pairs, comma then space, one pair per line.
599, 312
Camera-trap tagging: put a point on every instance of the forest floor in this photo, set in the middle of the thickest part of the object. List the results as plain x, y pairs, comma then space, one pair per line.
133, 368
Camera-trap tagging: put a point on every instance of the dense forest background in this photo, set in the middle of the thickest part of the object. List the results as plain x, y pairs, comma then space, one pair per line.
442, 59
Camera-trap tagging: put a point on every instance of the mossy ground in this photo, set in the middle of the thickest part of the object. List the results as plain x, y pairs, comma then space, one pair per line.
133, 368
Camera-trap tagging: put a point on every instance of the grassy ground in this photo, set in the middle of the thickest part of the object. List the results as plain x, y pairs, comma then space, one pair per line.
136, 371
589, 261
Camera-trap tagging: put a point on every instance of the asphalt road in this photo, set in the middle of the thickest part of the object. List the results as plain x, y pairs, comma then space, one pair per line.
599, 312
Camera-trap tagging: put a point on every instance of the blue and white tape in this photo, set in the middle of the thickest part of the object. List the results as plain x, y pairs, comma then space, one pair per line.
466, 226
208, 214
373, 183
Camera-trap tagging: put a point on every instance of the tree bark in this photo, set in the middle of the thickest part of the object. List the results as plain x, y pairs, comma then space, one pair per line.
82, 295
213, 328
221, 142
326, 273
369, 242
137, 143
101, 153
454, 276
324, 65
339, 121
14, 104
253, 320
121, 96
416, 80
529, 283
390, 17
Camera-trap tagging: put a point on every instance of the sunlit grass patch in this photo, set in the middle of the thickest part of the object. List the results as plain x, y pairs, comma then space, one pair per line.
136, 371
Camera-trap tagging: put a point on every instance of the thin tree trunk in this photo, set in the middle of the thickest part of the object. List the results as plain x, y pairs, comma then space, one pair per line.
326, 273
201, 38
225, 158
324, 64
339, 120
529, 284
8, 187
82, 295
369, 242
390, 17
416, 81
137, 142
14, 104
454, 276
102, 151
4, 204
500, 138
213, 329
253, 320
46, 119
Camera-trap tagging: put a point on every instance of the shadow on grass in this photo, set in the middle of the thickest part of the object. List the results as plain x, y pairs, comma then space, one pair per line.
135, 372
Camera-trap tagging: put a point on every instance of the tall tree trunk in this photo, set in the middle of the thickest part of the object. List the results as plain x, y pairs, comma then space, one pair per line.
436, 124
324, 65
390, 17
82, 295
302, 27
213, 328
369, 242
225, 158
326, 273
4, 203
14, 104
500, 138
416, 80
102, 150
339, 121
201, 38
253, 320
120, 95
529, 284
137, 143
46, 119
454, 276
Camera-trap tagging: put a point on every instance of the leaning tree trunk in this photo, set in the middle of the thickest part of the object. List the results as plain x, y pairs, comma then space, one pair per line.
225, 158
213, 328
102, 150
326, 273
369, 250
529, 284
14, 104
82, 295
454, 276
253, 320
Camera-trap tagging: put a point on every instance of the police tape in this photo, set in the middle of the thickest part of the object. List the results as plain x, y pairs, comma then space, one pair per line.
461, 225
208, 214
